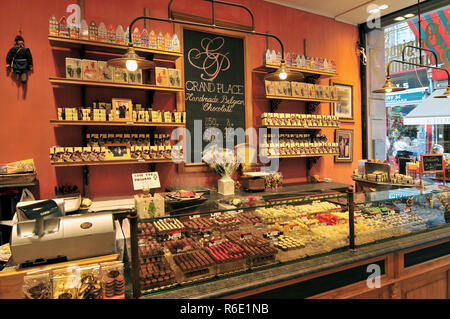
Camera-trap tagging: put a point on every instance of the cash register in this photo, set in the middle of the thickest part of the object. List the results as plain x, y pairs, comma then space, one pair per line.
43, 234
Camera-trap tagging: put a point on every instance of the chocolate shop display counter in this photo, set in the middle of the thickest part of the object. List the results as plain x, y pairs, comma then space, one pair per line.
298, 244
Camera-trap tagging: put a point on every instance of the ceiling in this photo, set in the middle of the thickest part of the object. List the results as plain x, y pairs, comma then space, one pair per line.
349, 11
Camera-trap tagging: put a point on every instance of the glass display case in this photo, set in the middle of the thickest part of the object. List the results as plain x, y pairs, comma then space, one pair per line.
400, 212
229, 236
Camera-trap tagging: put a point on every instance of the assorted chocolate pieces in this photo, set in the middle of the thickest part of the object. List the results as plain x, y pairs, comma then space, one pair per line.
155, 274
249, 217
113, 284
193, 261
93, 281
199, 226
181, 245
146, 229
254, 245
226, 252
39, 291
90, 287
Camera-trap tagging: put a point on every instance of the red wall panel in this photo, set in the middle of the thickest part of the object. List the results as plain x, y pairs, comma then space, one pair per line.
25, 112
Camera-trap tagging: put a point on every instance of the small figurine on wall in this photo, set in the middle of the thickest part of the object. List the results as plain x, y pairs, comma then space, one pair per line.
19, 59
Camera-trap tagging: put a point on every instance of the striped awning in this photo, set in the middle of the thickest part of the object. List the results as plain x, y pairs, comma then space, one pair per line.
430, 111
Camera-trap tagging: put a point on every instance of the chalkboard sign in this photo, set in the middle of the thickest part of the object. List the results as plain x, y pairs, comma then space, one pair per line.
402, 161
214, 75
432, 163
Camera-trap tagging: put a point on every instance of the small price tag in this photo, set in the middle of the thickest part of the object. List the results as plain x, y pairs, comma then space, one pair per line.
130, 123
146, 180
246, 236
194, 216
175, 235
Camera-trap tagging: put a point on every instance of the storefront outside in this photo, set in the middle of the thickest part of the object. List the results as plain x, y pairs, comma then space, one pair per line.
404, 135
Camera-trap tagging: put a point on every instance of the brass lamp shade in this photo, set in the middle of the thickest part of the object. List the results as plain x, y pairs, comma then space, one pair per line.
444, 95
389, 87
284, 74
131, 55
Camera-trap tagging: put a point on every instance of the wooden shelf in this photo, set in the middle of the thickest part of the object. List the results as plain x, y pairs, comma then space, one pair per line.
304, 155
305, 99
272, 67
300, 127
111, 48
109, 162
112, 123
65, 81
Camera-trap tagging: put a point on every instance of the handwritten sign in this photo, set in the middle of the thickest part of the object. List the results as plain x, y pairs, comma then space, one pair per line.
146, 180
214, 74
432, 163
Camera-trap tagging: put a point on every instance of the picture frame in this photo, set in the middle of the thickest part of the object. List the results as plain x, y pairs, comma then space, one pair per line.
122, 110
344, 108
344, 139
117, 151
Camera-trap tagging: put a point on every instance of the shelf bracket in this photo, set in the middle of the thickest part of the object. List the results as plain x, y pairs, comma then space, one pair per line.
312, 78
311, 107
274, 104
86, 188
310, 161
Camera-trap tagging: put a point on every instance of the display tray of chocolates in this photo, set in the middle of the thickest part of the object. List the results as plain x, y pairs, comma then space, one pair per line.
193, 265
198, 226
156, 275
146, 229
181, 245
150, 252
167, 225
225, 221
113, 284
230, 257
248, 217
259, 250
286, 242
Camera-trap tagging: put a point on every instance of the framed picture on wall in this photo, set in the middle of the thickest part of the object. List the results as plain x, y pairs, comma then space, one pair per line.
344, 139
122, 110
343, 108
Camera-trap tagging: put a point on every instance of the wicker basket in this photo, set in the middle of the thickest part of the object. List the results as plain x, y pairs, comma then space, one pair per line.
20, 178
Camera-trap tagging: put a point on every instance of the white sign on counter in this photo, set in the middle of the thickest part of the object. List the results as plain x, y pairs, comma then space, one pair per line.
146, 180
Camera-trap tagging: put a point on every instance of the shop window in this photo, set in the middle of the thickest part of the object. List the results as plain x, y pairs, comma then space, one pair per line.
394, 128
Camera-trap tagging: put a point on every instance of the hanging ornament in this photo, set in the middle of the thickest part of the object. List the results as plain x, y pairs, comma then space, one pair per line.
19, 59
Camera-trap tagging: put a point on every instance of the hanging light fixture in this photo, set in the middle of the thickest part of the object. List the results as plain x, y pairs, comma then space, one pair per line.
133, 61
284, 74
389, 86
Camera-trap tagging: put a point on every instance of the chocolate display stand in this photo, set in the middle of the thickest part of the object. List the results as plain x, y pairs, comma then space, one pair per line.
368, 185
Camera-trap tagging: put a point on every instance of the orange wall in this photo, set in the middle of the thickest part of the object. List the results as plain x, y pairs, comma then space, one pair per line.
25, 112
